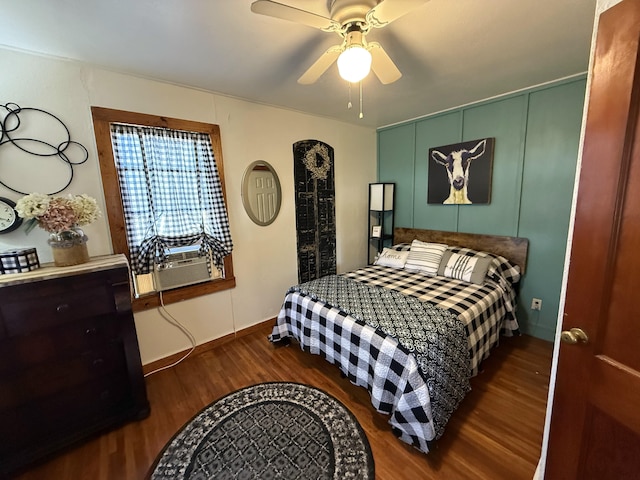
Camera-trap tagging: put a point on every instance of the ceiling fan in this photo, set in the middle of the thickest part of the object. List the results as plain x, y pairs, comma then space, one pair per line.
352, 20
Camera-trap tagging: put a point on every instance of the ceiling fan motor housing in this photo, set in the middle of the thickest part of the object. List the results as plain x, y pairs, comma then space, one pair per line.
354, 37
349, 11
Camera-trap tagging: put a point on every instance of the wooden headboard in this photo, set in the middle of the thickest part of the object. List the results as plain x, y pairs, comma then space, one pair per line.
513, 249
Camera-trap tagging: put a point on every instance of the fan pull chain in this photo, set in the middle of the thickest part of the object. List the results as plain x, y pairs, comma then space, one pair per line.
361, 115
349, 104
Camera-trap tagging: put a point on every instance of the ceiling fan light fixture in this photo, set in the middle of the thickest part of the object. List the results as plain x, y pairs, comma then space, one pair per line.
352, 20
354, 63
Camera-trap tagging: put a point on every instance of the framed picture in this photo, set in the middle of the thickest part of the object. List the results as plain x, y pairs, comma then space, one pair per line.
376, 231
460, 174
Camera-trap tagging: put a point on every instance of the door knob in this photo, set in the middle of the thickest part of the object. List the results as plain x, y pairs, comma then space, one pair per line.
574, 336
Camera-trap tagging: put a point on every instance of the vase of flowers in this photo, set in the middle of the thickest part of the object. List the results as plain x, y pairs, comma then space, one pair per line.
62, 217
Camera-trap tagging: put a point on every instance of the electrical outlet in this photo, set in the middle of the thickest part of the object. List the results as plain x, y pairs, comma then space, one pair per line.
536, 304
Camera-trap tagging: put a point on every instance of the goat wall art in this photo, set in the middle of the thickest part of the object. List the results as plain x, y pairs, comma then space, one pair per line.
459, 186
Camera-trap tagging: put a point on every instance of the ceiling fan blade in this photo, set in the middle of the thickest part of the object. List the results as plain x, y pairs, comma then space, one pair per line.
382, 65
321, 65
285, 12
388, 10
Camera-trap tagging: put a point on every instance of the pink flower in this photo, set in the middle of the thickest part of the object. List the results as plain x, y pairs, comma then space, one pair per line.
58, 217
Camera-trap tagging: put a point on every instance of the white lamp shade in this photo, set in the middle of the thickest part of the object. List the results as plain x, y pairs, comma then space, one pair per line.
354, 63
381, 197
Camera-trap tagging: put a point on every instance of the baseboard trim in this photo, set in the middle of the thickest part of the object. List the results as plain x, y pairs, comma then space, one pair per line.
205, 347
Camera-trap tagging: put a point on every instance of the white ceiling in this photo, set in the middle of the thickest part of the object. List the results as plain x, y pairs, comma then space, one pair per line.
451, 52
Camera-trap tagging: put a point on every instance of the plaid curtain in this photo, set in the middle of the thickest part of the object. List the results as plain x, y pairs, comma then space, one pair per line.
171, 193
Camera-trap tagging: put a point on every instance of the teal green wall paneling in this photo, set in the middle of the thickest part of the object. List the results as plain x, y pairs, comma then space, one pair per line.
434, 132
537, 134
397, 146
503, 120
553, 135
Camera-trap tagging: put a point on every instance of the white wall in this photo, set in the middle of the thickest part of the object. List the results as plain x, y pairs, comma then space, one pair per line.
265, 258
601, 6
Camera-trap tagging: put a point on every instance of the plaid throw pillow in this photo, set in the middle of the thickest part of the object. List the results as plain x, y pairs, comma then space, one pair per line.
401, 247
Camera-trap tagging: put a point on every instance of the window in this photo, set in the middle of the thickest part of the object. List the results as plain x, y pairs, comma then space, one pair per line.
164, 187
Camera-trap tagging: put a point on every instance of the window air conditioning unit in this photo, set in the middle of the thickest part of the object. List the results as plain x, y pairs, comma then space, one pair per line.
182, 268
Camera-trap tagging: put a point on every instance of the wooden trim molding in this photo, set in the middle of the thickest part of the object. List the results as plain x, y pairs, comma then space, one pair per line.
102, 118
205, 347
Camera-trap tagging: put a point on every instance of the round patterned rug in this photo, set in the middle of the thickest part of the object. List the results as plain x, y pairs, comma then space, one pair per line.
268, 431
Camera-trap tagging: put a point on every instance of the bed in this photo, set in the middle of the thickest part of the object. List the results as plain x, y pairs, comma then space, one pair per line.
414, 327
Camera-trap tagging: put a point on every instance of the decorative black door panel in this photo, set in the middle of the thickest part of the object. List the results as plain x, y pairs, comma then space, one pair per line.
315, 209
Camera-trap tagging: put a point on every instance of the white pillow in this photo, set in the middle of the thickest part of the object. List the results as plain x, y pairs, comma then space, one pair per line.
392, 258
464, 267
425, 257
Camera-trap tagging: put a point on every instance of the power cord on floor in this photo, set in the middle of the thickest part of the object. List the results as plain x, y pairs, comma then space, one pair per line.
164, 313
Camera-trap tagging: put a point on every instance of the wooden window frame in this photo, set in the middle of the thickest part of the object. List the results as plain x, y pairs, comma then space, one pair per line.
102, 118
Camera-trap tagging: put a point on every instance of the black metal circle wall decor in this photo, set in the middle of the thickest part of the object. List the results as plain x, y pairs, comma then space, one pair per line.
10, 137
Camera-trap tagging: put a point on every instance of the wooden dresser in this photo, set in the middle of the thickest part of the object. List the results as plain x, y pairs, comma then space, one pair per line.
69, 359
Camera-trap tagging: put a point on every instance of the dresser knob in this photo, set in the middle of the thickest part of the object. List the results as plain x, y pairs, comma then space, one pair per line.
62, 308
91, 331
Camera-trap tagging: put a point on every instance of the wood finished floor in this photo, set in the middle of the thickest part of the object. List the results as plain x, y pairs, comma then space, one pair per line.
495, 434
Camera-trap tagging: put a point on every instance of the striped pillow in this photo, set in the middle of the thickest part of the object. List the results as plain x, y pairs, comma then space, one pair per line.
464, 267
424, 257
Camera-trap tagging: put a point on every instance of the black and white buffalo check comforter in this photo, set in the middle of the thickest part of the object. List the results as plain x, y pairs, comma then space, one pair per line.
413, 341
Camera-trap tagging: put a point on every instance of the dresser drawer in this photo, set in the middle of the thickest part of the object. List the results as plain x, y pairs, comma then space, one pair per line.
62, 305
48, 378
70, 340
